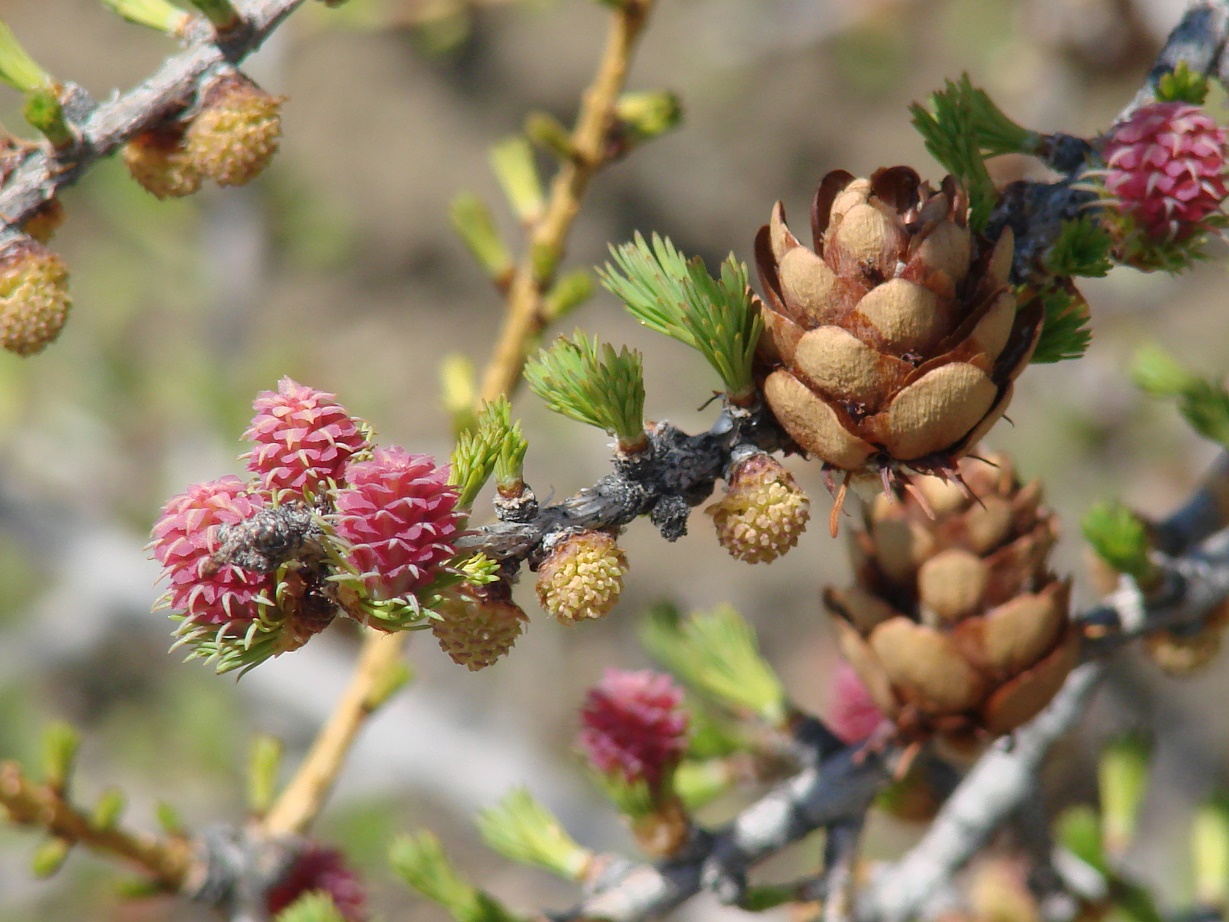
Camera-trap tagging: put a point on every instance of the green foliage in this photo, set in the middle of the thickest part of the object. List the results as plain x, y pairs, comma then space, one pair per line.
168, 819
17, 68
264, 762
588, 381
1138, 248
473, 222
1120, 538
676, 296
1203, 403
473, 460
963, 128
1064, 331
228, 651
155, 14
763, 897
1122, 775
60, 745
1210, 852
1182, 85
420, 861
1078, 830
568, 293
644, 116
1083, 247
716, 654
546, 131
512, 162
315, 906
221, 13
698, 782
521, 829
496, 427
109, 809
50, 857
43, 110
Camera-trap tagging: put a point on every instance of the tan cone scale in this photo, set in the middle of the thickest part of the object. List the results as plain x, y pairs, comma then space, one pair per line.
956, 624
896, 339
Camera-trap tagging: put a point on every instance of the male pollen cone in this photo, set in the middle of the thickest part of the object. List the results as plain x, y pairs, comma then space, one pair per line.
895, 340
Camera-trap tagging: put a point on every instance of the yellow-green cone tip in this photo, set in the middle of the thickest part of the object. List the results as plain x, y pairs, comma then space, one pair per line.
582, 578
236, 133
763, 512
34, 300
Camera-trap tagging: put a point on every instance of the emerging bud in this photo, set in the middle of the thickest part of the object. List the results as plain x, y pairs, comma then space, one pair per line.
1181, 653
34, 301
235, 135
159, 162
634, 727
399, 515
320, 869
582, 577
1166, 169
478, 626
303, 438
763, 511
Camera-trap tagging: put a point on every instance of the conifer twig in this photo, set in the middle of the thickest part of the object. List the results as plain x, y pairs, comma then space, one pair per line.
105, 127
304, 796
168, 861
524, 315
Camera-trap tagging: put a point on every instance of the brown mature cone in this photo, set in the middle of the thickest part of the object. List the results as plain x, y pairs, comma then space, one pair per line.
896, 339
956, 624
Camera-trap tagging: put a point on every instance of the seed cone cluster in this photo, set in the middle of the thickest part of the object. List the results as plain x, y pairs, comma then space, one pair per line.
184, 539
895, 340
955, 624
326, 525
582, 578
763, 512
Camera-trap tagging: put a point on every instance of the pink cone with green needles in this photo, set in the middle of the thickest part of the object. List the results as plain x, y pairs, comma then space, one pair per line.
400, 516
318, 869
302, 438
1166, 169
185, 538
634, 726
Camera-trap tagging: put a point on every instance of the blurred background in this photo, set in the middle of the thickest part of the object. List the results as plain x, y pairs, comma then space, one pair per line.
339, 268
